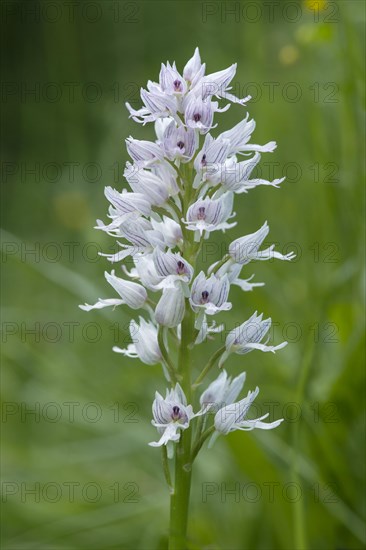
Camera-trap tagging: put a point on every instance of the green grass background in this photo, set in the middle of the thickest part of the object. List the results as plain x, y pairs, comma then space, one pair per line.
300, 486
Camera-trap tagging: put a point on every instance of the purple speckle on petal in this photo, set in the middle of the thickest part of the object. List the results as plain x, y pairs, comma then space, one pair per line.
181, 268
176, 413
201, 213
177, 85
205, 296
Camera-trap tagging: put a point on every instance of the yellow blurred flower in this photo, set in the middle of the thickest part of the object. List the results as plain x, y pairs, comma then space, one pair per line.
316, 5
288, 54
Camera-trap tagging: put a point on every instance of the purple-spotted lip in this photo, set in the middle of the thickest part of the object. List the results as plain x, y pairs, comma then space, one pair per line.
178, 414
205, 295
181, 268
178, 87
201, 214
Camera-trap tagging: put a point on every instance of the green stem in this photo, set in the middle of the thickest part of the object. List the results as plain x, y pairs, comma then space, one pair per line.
208, 367
166, 468
174, 207
164, 353
179, 502
201, 441
174, 335
221, 263
177, 169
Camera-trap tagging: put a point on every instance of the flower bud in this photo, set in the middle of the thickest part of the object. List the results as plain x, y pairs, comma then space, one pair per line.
133, 294
170, 310
143, 152
145, 343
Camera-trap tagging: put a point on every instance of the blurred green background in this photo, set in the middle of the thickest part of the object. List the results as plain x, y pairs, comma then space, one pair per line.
77, 472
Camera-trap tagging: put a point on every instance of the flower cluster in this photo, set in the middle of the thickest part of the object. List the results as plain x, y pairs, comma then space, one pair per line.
183, 185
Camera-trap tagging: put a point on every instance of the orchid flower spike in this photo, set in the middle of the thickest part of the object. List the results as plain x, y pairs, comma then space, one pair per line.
181, 188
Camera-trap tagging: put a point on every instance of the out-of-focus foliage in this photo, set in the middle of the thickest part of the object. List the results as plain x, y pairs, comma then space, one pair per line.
96, 484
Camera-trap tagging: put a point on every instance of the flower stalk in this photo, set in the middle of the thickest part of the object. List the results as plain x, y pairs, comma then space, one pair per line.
184, 185
179, 498
211, 363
